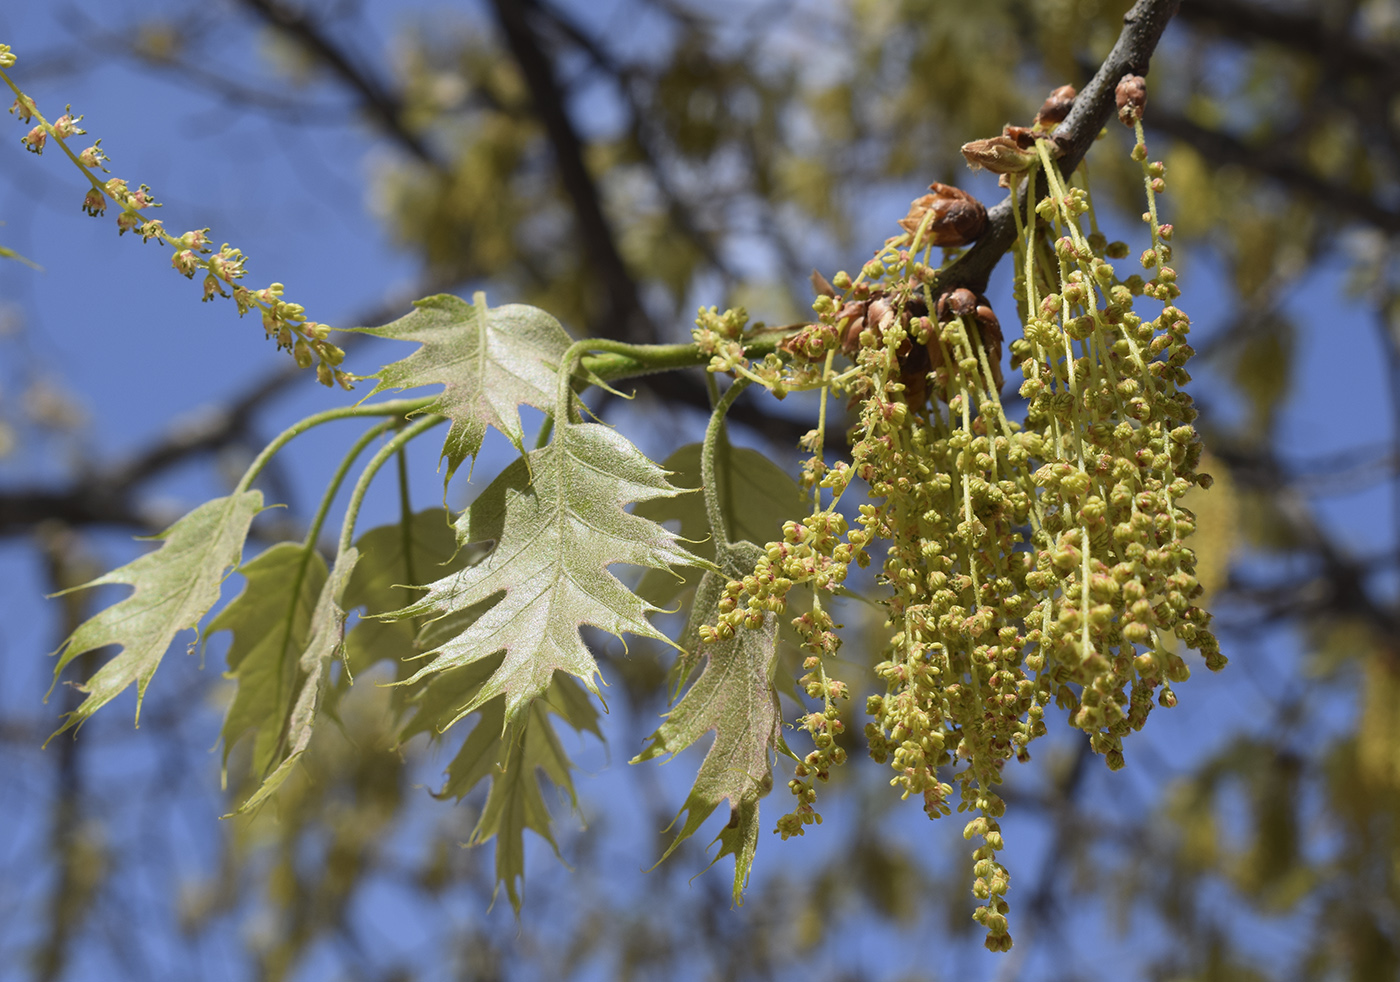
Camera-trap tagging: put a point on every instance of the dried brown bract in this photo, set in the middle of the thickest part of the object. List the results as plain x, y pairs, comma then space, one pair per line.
1023, 136
998, 154
1132, 99
1056, 106
957, 220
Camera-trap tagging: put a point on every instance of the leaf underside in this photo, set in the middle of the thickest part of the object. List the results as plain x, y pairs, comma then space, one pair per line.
735, 697
326, 631
503, 635
558, 520
271, 624
392, 560
174, 587
510, 759
490, 361
286, 625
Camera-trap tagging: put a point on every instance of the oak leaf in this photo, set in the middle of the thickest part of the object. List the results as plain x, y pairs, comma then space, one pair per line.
174, 587
489, 360
558, 520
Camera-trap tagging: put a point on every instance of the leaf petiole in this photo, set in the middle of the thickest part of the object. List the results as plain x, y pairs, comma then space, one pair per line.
338, 478
396, 407
401, 439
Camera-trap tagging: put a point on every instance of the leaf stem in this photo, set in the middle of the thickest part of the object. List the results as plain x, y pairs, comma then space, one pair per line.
707, 463
612, 361
314, 531
396, 407
352, 510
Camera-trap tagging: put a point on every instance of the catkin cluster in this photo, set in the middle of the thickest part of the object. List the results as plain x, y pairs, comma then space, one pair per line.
1029, 565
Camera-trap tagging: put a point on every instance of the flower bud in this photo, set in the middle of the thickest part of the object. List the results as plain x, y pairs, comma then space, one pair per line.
185, 262
1131, 96
67, 125
93, 155
35, 139
22, 108
957, 217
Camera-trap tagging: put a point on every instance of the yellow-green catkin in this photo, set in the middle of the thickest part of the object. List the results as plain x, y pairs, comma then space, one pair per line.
1027, 564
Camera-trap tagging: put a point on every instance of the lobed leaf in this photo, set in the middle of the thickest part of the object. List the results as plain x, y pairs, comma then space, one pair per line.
735, 697
327, 631
173, 588
556, 535
271, 621
394, 558
514, 802
490, 361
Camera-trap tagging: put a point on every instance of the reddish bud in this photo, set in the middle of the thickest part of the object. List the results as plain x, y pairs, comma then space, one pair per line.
1131, 95
957, 217
1056, 106
977, 309
1023, 136
961, 302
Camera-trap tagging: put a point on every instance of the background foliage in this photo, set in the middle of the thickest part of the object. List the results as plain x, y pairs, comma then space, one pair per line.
618, 166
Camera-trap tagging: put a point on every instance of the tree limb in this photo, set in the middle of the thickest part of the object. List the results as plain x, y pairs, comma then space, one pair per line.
382, 105
1142, 29
624, 317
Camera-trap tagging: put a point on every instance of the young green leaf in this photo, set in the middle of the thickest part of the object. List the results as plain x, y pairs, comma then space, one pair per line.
756, 495
489, 361
327, 629
393, 560
514, 802
735, 697
556, 535
174, 587
271, 625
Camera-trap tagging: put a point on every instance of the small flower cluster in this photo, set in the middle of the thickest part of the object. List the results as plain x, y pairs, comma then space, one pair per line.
1028, 564
720, 336
306, 340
